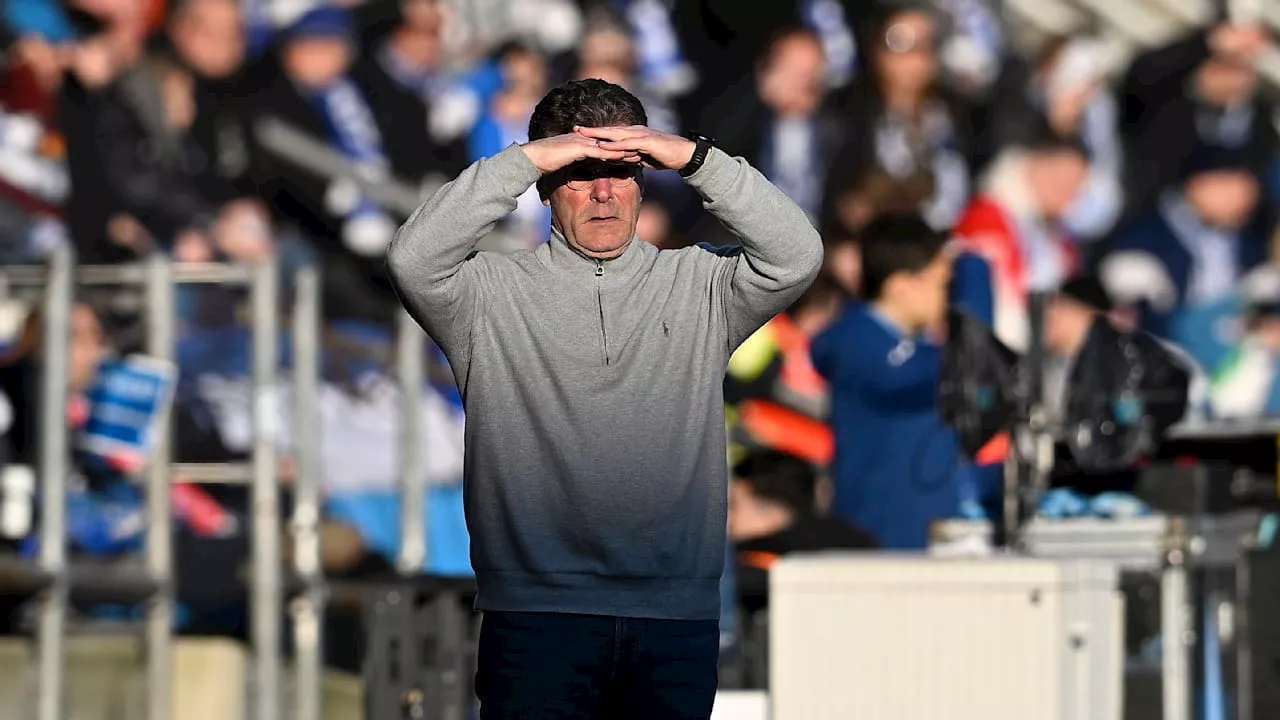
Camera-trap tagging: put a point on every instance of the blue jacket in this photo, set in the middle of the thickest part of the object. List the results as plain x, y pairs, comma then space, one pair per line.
1194, 326
897, 468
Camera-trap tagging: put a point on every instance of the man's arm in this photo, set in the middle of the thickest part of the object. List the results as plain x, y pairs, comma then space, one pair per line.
427, 260
781, 251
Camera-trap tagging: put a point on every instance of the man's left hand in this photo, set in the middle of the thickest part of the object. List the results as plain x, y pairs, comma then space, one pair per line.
657, 150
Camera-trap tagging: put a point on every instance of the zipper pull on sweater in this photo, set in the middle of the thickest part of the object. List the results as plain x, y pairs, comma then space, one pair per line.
599, 268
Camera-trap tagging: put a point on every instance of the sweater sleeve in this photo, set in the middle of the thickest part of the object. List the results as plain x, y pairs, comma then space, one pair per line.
429, 259
781, 251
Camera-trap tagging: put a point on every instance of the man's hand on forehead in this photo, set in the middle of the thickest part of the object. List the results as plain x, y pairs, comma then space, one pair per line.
654, 149
555, 153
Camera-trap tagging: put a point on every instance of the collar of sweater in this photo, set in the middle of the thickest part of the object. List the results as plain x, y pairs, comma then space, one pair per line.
558, 254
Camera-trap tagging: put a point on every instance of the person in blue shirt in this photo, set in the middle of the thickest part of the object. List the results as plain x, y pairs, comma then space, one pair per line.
897, 467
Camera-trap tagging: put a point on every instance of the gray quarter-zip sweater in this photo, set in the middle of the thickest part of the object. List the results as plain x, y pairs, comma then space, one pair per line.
595, 467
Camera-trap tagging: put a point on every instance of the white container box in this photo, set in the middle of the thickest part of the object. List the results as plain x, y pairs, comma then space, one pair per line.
888, 636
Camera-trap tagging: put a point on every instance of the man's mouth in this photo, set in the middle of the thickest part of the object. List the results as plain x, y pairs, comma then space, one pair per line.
610, 218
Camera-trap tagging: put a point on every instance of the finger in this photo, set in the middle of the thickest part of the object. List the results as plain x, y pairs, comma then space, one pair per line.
605, 133
599, 153
637, 144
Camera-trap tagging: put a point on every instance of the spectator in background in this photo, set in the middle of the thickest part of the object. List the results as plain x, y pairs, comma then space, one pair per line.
879, 192
1015, 224
774, 397
1199, 90
1180, 262
608, 52
899, 119
100, 231
797, 135
505, 121
897, 468
1244, 383
1067, 89
324, 89
34, 181
773, 512
160, 141
413, 55
775, 364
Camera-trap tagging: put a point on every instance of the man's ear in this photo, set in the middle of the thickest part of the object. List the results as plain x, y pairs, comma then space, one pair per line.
543, 193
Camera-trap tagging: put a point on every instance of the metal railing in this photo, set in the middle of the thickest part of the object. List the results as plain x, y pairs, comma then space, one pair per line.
54, 578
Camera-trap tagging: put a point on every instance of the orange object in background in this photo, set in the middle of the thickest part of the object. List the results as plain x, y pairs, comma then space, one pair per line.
154, 12
995, 451
787, 431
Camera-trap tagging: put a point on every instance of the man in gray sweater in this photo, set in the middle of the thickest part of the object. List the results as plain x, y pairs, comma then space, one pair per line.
591, 372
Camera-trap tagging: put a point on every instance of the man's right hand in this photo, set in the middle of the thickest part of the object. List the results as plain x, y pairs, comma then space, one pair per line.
559, 151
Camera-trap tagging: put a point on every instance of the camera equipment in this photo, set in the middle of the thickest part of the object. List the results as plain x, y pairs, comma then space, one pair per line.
1124, 390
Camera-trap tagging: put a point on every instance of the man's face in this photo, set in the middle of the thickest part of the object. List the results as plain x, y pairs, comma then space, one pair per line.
209, 35
791, 84
422, 15
1225, 81
1066, 324
316, 61
1224, 198
906, 57
596, 206
1055, 178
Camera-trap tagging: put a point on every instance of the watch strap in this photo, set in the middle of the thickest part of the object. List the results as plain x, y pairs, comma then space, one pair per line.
702, 146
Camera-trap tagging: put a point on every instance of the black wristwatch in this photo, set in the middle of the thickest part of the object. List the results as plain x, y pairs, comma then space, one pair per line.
702, 146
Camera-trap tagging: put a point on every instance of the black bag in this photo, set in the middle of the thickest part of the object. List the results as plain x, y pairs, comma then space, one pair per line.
978, 385
1125, 391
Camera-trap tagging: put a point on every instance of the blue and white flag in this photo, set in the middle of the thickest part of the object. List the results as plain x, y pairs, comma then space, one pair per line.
129, 400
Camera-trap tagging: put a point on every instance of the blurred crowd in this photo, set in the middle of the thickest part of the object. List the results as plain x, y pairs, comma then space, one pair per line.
231, 130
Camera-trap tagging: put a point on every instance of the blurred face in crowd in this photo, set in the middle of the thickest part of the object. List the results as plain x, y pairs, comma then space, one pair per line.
423, 16
606, 53
920, 298
524, 74
94, 60
790, 81
87, 348
1223, 198
1055, 178
316, 61
751, 516
596, 206
905, 56
1066, 324
653, 225
1225, 81
210, 37
844, 263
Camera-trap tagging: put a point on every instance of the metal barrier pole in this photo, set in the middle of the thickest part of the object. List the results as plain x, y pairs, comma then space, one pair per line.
266, 590
308, 608
1176, 625
55, 346
159, 543
410, 362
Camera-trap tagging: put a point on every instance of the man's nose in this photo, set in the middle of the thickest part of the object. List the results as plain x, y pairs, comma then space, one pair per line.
602, 189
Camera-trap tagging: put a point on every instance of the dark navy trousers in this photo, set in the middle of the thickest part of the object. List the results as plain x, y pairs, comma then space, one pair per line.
552, 666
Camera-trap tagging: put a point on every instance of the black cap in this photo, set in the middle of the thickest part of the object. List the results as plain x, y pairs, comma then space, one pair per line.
1207, 158
1043, 137
1087, 290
